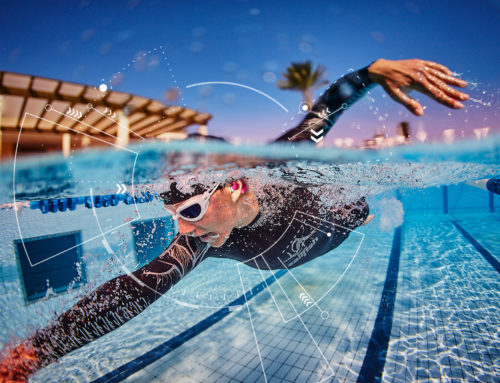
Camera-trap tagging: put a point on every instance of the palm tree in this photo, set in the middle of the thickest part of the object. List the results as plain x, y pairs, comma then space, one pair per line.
302, 77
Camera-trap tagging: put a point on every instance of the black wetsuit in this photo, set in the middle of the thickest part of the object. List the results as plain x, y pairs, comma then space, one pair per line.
301, 231
292, 232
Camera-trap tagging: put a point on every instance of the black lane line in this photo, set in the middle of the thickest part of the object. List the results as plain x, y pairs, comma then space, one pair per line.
163, 349
485, 253
373, 364
445, 199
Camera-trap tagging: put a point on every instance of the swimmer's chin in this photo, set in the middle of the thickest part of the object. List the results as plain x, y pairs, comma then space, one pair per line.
213, 239
218, 242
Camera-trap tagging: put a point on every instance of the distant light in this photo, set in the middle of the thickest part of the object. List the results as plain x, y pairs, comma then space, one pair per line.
449, 135
400, 139
482, 132
348, 142
421, 135
103, 87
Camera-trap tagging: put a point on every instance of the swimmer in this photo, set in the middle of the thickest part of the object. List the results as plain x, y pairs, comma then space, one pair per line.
229, 219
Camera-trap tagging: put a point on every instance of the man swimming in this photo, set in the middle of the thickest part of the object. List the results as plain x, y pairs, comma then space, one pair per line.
281, 227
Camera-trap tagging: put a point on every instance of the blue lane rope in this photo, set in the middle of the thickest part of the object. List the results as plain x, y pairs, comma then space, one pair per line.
54, 205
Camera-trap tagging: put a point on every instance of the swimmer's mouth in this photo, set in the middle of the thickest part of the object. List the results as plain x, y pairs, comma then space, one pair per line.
209, 236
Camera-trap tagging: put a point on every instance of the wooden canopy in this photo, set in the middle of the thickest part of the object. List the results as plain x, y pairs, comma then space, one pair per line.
44, 105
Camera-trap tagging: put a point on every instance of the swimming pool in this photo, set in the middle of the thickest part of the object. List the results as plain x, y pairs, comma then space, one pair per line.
414, 295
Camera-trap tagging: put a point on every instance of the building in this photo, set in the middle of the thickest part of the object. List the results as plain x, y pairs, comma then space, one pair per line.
40, 115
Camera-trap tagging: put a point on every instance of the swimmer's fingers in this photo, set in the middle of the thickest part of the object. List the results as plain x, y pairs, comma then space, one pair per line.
437, 91
435, 80
448, 90
398, 95
443, 73
448, 79
438, 67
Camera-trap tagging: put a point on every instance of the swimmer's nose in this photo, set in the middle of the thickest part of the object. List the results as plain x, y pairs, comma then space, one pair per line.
185, 227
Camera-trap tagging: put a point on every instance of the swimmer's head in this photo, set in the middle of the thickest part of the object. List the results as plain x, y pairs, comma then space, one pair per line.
212, 212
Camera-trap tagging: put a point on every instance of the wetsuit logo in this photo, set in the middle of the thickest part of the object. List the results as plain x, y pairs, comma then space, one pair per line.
299, 248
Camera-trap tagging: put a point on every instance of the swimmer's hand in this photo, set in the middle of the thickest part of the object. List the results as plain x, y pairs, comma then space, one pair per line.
400, 77
368, 219
18, 364
17, 206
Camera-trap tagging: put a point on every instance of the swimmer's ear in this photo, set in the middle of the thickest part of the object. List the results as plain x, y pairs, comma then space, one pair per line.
237, 188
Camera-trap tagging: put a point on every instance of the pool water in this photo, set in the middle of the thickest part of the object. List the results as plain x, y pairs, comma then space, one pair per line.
412, 296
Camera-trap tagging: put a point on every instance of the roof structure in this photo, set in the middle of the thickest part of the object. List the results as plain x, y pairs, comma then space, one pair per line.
45, 105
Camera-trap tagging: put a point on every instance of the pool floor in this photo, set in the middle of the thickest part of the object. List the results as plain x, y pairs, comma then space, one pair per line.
419, 303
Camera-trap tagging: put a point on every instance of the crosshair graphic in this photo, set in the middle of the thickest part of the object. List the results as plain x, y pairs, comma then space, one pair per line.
299, 303
77, 116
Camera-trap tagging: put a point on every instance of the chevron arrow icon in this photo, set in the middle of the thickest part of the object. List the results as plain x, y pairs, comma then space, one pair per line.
316, 139
305, 299
74, 113
316, 133
121, 188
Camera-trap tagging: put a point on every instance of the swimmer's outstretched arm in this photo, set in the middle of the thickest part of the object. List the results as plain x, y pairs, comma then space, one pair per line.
338, 97
103, 310
397, 78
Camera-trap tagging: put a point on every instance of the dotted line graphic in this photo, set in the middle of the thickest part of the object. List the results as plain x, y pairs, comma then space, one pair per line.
158, 50
78, 115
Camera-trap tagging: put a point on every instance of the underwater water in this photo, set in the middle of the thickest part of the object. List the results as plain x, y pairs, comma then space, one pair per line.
413, 295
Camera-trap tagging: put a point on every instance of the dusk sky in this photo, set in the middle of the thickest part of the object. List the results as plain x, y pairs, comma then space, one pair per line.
251, 43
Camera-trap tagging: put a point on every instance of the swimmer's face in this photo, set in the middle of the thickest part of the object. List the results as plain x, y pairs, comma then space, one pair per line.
227, 209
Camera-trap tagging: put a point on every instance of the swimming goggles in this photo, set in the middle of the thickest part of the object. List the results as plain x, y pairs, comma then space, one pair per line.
195, 207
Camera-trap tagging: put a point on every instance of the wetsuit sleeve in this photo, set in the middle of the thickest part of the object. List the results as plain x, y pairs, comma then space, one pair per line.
333, 102
116, 302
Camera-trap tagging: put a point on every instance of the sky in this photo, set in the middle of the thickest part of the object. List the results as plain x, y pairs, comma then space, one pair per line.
147, 47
